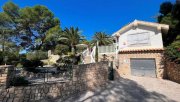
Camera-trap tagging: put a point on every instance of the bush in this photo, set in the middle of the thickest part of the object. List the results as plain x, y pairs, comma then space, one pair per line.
30, 66
19, 65
37, 55
61, 49
172, 53
19, 81
12, 57
31, 63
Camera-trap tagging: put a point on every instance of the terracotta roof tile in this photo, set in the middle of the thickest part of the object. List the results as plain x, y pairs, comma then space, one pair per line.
150, 49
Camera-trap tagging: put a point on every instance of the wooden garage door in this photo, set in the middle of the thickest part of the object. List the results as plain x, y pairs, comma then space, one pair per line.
143, 67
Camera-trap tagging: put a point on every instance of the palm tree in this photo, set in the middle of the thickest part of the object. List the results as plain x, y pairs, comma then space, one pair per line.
73, 37
99, 39
102, 39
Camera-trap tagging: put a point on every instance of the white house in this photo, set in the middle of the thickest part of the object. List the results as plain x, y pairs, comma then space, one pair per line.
138, 49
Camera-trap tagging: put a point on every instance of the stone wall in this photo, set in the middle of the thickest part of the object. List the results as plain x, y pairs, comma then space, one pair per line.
85, 77
42, 91
173, 71
7, 72
124, 62
95, 74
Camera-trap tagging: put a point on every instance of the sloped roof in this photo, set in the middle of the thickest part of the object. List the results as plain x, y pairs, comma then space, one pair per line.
140, 50
163, 27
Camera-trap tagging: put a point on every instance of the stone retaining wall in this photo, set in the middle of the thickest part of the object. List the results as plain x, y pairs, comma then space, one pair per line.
173, 71
94, 74
7, 72
85, 77
125, 57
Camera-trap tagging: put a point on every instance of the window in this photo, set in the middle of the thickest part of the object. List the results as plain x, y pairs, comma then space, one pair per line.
138, 39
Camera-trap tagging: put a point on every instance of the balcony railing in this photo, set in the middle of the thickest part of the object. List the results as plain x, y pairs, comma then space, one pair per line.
107, 49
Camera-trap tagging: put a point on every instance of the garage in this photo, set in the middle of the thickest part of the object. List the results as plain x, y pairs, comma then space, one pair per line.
143, 67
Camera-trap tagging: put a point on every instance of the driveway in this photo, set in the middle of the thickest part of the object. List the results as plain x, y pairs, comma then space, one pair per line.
133, 89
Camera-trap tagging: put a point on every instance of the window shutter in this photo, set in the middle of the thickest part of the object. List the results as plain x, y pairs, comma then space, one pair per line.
132, 39
138, 39
143, 38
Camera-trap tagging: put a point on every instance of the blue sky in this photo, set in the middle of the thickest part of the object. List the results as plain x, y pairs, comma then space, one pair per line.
97, 15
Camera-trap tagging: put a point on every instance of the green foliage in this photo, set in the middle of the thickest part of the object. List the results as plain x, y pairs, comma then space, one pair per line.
172, 53
61, 49
88, 43
37, 55
102, 38
165, 8
31, 63
32, 59
4, 21
53, 33
11, 57
52, 38
168, 19
19, 65
176, 9
72, 37
19, 81
36, 28
170, 14
11, 9
29, 23
65, 60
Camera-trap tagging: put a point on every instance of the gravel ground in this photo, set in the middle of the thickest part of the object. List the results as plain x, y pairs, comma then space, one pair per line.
133, 89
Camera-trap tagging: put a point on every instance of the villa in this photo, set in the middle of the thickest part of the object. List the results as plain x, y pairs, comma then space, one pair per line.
137, 50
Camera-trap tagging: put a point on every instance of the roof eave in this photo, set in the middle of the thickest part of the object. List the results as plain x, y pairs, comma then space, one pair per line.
135, 23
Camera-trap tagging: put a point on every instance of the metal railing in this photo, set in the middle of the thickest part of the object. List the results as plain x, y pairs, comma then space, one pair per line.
107, 49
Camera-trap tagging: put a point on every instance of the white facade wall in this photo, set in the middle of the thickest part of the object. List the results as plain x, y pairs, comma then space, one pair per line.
155, 39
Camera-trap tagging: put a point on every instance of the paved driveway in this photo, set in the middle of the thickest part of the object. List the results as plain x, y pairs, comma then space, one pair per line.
133, 89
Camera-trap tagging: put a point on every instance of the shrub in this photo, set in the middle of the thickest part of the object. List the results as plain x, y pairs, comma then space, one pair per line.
61, 49
19, 65
19, 81
65, 60
31, 63
30, 66
172, 53
37, 55
12, 57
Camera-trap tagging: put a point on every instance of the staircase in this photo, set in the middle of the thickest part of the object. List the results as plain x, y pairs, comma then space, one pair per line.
89, 56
